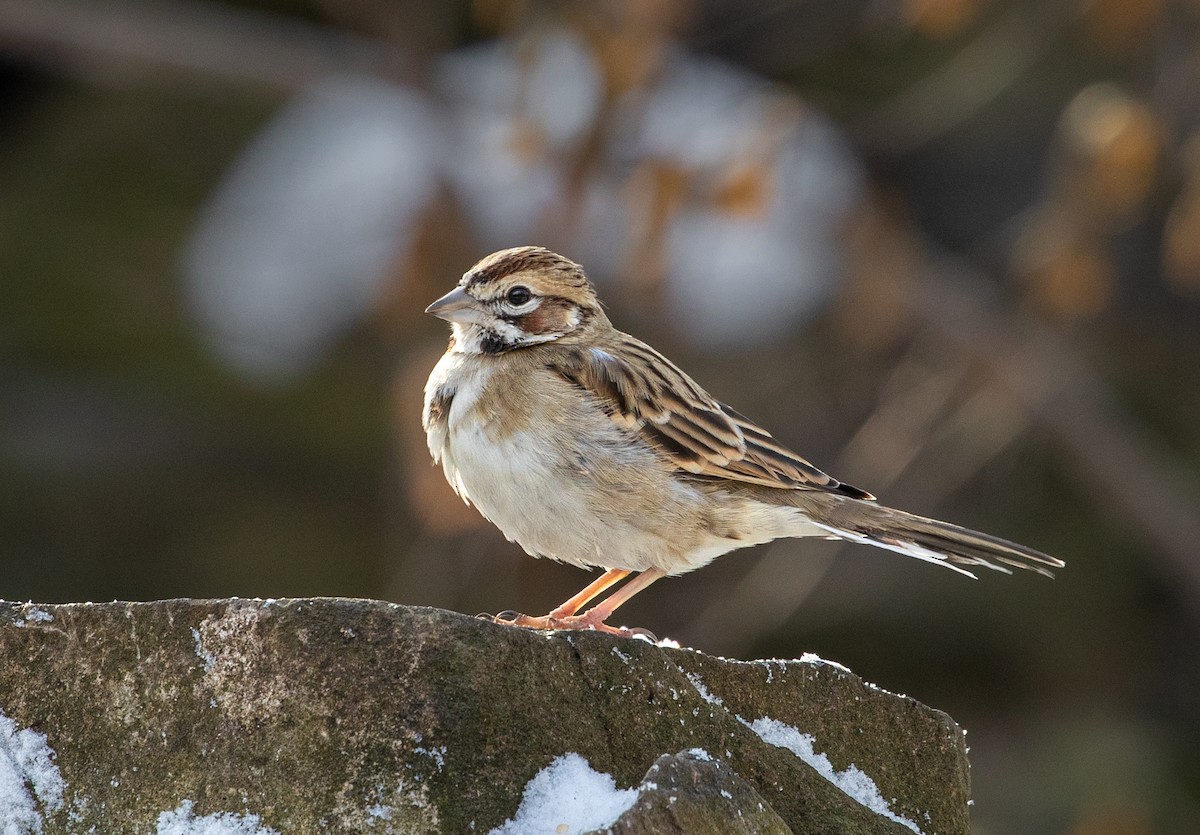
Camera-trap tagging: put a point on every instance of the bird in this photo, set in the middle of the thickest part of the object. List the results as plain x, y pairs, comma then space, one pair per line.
585, 445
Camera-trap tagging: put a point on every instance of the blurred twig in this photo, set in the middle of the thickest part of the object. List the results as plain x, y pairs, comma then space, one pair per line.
747, 21
92, 40
917, 392
1115, 460
965, 84
1031, 372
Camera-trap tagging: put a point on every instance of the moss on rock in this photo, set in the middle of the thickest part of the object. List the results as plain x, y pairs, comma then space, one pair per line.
334, 716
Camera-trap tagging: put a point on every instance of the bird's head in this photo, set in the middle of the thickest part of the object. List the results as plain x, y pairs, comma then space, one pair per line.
516, 298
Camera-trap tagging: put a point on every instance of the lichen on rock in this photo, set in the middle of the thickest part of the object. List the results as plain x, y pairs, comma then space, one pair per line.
346, 716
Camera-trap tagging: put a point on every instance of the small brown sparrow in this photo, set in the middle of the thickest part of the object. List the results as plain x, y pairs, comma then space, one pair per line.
586, 445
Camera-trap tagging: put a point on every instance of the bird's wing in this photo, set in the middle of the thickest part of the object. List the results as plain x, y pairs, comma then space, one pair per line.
643, 391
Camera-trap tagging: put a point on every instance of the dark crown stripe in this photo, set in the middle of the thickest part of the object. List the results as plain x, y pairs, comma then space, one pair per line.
510, 261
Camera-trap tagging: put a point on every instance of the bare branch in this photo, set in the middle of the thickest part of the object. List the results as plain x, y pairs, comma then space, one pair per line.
90, 40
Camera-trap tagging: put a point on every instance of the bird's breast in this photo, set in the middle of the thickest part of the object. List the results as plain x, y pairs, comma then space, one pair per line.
548, 467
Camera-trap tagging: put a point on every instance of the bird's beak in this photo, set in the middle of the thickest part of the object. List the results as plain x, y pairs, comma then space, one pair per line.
455, 306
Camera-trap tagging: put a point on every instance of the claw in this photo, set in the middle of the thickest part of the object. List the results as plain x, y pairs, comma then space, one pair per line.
639, 632
575, 623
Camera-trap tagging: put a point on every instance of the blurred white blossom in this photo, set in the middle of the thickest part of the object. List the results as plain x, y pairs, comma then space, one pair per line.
515, 109
295, 243
736, 278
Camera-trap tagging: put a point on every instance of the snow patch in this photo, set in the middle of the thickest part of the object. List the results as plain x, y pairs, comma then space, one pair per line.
181, 821
852, 781
567, 797
30, 782
814, 659
703, 691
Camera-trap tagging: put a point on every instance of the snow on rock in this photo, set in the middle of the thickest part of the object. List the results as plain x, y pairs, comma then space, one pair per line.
857, 785
181, 821
852, 781
30, 782
31, 785
568, 797
237, 696
815, 660
703, 691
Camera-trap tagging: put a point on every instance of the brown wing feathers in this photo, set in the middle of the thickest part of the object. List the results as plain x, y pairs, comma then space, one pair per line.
698, 434
781, 464
710, 440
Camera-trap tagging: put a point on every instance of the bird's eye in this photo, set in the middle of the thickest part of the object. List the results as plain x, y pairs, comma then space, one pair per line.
518, 296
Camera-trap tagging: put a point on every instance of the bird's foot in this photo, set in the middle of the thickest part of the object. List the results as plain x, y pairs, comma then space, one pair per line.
585, 621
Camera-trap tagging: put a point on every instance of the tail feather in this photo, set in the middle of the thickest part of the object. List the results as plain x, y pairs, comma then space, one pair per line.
930, 540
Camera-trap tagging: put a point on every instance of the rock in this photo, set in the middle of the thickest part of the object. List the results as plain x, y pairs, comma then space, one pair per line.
344, 716
693, 794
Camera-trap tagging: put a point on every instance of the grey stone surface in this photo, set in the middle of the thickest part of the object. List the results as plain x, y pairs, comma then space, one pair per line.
694, 794
345, 716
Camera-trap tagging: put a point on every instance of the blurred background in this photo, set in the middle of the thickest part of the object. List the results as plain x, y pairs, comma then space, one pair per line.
947, 249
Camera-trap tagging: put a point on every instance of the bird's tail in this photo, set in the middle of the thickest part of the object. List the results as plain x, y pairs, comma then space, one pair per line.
941, 543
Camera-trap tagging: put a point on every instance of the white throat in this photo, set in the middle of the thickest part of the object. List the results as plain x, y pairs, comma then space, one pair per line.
470, 338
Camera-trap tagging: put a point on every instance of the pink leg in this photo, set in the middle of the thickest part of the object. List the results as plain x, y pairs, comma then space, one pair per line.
595, 617
602, 582
598, 614
569, 608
